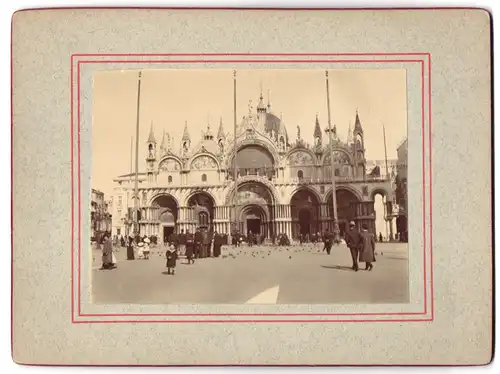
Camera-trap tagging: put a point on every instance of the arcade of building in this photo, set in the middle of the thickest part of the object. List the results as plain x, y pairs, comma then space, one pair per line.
282, 186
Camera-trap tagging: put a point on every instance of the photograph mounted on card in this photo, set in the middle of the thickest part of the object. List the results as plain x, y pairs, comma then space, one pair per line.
249, 199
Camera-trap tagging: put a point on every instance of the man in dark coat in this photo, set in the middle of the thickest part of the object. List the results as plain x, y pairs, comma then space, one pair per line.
189, 247
353, 240
218, 239
250, 238
328, 241
174, 239
198, 241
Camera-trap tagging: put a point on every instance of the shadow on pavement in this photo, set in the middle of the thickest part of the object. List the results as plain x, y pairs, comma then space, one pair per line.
337, 267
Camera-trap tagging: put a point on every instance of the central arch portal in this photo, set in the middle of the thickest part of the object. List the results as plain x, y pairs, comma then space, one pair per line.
305, 210
255, 219
255, 203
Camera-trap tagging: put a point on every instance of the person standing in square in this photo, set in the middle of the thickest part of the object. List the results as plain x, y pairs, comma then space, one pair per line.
171, 256
367, 248
353, 240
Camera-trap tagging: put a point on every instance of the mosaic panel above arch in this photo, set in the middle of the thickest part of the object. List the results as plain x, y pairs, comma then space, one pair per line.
203, 163
339, 157
300, 158
169, 165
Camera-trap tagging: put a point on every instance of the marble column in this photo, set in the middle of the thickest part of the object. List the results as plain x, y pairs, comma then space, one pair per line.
391, 230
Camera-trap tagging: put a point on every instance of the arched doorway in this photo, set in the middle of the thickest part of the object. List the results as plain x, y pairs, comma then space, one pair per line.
168, 213
346, 205
254, 160
382, 223
305, 222
204, 208
254, 202
254, 219
305, 211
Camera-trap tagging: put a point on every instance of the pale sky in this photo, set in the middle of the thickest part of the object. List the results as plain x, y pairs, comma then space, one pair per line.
170, 97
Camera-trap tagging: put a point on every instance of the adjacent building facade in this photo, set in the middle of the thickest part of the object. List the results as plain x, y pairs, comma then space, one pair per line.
100, 213
258, 180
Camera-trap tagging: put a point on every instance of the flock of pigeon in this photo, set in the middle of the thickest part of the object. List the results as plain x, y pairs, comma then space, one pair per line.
263, 252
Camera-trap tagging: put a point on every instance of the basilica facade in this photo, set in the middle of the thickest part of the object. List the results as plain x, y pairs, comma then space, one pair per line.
257, 179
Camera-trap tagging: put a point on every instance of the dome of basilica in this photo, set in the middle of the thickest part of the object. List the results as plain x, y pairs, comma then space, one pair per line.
273, 123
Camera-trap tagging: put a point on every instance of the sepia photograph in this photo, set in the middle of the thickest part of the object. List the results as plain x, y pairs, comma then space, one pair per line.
250, 186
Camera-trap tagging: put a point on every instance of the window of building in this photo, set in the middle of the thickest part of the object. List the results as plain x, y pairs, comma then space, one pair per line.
337, 172
203, 177
300, 174
118, 231
169, 179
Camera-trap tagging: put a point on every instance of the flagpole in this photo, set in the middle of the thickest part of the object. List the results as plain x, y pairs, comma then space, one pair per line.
128, 192
136, 186
235, 171
336, 230
385, 150
131, 157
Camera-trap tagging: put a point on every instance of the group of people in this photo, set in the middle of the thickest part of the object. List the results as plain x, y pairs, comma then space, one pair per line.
200, 244
203, 243
361, 245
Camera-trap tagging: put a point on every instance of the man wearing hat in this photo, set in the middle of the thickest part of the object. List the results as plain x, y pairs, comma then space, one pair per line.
353, 241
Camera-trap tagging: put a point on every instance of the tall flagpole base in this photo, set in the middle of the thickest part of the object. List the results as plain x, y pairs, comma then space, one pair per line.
336, 232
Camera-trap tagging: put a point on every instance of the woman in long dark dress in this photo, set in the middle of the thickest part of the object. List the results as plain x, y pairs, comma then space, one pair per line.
107, 254
367, 248
130, 249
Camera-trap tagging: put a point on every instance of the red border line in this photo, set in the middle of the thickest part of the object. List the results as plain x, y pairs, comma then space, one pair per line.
258, 321
246, 54
254, 314
79, 195
72, 195
233, 61
422, 62
429, 109
423, 185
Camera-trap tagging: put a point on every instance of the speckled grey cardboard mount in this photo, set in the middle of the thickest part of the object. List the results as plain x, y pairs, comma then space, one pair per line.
459, 45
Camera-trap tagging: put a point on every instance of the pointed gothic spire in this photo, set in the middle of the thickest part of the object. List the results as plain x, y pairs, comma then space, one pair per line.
349, 134
151, 138
261, 107
185, 134
317, 128
220, 132
357, 124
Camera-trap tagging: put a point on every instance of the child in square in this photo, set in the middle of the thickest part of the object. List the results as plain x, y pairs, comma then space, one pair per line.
171, 256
